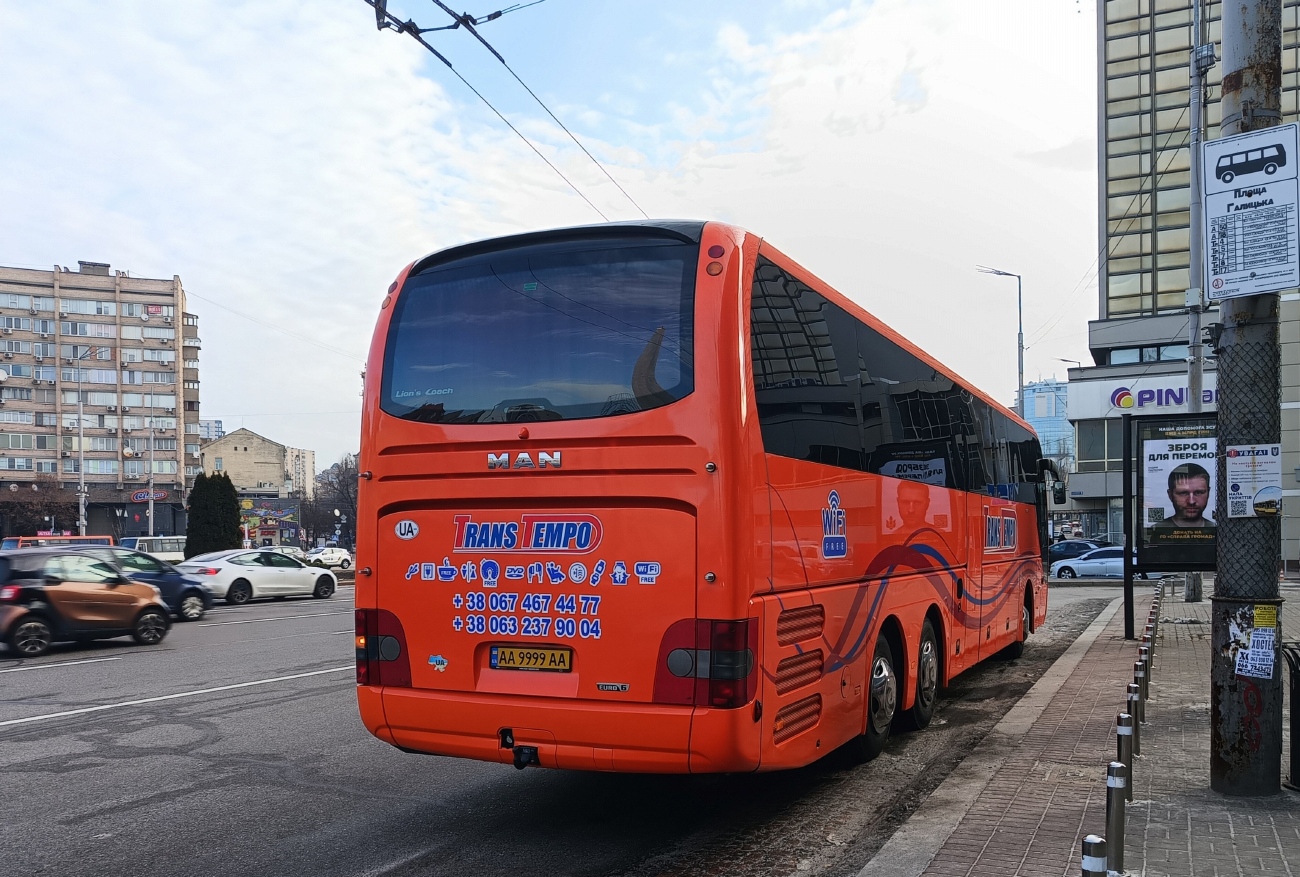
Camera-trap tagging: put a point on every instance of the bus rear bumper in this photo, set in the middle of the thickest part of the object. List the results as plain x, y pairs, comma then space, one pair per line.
568, 734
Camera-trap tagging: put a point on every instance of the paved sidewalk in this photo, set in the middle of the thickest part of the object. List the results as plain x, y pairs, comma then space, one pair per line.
1028, 804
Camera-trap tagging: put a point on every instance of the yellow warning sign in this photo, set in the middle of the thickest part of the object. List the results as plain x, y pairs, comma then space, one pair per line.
1265, 616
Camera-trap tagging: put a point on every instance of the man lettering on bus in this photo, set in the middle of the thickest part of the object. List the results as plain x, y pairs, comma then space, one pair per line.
1189, 491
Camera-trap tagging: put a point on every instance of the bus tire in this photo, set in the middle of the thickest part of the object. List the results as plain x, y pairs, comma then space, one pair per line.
927, 682
882, 703
1017, 648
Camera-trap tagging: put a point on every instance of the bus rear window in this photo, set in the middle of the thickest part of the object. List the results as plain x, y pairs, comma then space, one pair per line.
562, 331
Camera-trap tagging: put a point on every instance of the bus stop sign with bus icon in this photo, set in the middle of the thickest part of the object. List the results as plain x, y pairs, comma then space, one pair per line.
1252, 240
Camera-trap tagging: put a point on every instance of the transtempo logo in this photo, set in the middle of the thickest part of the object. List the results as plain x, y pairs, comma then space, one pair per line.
553, 532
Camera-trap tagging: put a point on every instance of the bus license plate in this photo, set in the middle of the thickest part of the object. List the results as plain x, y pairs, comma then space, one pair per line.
521, 658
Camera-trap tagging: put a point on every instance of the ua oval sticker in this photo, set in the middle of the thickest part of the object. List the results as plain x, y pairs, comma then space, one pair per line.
407, 529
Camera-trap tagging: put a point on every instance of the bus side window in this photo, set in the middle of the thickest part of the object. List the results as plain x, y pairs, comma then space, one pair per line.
833, 390
801, 346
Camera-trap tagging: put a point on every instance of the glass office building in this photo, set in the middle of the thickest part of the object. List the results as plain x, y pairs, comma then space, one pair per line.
1139, 341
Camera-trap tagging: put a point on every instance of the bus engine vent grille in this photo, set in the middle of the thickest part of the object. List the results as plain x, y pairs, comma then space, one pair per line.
797, 625
797, 671
796, 718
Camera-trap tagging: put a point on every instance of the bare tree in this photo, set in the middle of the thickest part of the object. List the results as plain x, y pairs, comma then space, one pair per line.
43, 504
337, 487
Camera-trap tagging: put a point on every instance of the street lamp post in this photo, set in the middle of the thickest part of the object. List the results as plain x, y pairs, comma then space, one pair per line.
1020, 337
81, 445
149, 511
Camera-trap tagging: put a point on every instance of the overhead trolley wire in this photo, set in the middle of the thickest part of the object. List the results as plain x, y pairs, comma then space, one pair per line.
469, 21
386, 20
1107, 248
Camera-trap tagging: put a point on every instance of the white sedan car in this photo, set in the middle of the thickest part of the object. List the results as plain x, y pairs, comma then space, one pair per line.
1105, 562
241, 575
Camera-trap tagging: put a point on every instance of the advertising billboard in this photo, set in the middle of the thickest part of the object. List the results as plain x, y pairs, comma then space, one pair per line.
1176, 491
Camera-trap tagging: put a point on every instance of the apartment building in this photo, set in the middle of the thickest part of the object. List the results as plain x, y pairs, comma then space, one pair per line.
300, 468
99, 381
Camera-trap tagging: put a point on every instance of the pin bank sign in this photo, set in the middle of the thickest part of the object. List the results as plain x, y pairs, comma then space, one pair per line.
1164, 395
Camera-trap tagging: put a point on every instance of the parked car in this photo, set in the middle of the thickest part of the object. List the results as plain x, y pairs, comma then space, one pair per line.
1071, 548
187, 597
330, 557
1106, 562
239, 575
50, 595
292, 550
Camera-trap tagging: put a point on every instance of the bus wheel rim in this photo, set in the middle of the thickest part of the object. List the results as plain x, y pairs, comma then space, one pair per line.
927, 672
884, 694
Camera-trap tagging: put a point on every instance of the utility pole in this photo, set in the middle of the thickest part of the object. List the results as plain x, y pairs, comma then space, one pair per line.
81, 441
149, 511
1202, 59
1245, 712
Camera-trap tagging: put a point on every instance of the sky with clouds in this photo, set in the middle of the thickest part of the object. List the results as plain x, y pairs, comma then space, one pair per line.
286, 159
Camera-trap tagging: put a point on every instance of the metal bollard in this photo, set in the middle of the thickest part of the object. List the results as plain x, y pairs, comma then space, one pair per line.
1116, 781
1094, 856
1124, 748
1135, 710
1140, 677
1149, 642
1144, 655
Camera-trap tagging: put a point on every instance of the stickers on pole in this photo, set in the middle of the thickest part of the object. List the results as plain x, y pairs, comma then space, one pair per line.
1252, 240
1254, 474
1253, 631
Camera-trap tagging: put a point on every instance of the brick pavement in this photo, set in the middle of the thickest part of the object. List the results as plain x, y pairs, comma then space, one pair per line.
1050, 792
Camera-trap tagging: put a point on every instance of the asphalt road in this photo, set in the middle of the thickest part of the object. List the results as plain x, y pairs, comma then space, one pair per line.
235, 748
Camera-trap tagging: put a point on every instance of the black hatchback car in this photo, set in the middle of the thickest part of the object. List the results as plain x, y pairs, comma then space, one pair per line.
186, 597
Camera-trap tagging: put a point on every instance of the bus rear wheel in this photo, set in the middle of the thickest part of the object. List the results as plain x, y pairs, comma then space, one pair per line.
882, 703
927, 682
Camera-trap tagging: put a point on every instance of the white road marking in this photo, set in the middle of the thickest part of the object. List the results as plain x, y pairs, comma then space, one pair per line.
276, 618
59, 664
195, 693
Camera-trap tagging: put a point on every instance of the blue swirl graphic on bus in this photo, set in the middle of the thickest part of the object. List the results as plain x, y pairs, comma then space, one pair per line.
835, 536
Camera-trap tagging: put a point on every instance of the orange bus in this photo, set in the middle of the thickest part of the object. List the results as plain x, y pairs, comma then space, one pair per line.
11, 542
652, 497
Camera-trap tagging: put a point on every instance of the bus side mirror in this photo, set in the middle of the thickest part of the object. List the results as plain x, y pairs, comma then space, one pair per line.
1058, 492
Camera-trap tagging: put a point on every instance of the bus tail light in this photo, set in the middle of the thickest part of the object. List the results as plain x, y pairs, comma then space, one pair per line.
732, 680
708, 663
381, 649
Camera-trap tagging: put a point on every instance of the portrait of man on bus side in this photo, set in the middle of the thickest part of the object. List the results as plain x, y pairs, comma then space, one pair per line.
913, 500
1189, 492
